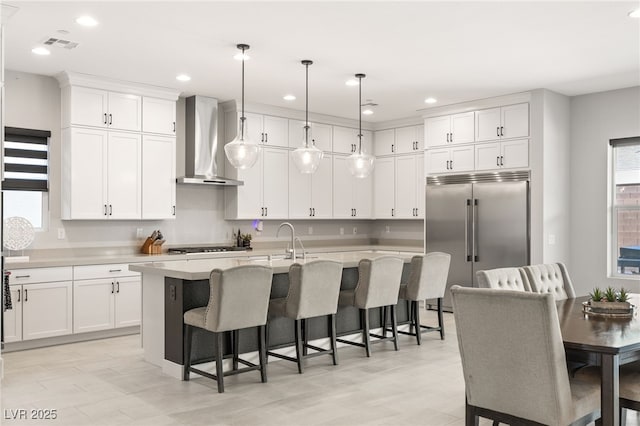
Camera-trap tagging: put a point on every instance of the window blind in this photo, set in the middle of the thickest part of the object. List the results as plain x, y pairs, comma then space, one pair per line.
26, 159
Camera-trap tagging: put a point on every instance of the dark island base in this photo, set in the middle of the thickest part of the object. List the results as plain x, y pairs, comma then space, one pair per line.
183, 295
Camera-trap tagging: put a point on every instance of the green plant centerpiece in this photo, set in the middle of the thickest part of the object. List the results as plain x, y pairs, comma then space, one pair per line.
246, 240
609, 300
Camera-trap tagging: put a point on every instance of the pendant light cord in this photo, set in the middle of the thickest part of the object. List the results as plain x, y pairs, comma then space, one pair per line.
360, 114
306, 95
242, 118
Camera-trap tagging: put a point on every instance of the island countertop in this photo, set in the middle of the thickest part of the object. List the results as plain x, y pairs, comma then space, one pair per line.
199, 269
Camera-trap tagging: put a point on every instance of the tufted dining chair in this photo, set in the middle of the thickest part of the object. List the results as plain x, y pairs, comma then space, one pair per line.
550, 278
510, 379
504, 279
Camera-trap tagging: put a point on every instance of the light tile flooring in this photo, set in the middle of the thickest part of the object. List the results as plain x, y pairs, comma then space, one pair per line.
106, 382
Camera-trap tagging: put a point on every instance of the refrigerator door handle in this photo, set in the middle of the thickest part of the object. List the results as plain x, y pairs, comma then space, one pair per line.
466, 231
475, 229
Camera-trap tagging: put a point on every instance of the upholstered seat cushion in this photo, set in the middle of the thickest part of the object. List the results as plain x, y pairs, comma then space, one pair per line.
196, 317
630, 382
277, 308
347, 298
585, 395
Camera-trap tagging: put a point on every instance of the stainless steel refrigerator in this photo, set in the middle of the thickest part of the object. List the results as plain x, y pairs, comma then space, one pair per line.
481, 219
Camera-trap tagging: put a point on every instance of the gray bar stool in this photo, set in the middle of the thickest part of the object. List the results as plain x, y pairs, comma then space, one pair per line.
378, 286
313, 292
427, 280
238, 298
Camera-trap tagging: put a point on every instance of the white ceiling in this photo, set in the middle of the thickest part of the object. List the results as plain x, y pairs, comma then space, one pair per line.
453, 51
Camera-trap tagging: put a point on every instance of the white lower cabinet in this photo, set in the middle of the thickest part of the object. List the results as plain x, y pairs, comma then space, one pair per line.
105, 297
447, 160
41, 304
502, 155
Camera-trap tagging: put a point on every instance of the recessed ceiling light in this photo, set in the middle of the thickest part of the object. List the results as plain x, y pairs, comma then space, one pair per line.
86, 21
351, 82
289, 98
43, 51
430, 101
241, 56
635, 13
367, 112
183, 77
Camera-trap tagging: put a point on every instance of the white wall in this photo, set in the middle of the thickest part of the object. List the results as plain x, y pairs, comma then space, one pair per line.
596, 118
33, 101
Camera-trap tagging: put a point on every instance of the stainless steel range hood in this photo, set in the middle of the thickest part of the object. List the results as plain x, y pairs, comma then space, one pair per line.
201, 144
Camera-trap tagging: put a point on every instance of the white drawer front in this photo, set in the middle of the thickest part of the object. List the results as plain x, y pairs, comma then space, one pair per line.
89, 272
40, 275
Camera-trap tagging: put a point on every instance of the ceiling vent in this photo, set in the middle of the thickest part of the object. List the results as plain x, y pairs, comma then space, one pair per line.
61, 43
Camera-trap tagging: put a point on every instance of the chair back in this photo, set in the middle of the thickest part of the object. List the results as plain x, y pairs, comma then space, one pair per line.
313, 289
513, 359
238, 297
378, 282
428, 276
550, 278
504, 279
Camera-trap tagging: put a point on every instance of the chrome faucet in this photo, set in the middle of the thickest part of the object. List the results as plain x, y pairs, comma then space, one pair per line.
292, 251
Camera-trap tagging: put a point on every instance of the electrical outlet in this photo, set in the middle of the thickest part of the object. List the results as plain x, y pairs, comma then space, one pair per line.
61, 234
139, 233
388, 229
341, 231
355, 230
311, 230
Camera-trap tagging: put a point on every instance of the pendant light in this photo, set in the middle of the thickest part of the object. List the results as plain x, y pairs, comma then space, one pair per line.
307, 157
360, 164
241, 152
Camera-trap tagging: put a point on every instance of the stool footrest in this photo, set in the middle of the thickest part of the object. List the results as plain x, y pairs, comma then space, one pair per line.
380, 338
350, 343
423, 329
250, 367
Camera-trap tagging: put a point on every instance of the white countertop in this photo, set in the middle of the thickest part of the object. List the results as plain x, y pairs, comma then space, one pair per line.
200, 269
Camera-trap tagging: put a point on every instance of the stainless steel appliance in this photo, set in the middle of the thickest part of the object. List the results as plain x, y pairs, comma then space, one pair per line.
481, 219
207, 249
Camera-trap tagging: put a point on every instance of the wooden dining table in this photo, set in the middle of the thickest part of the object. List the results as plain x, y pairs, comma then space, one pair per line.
611, 342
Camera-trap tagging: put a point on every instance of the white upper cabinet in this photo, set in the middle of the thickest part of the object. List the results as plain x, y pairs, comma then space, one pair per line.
352, 197
262, 129
276, 181
124, 176
101, 108
384, 202
384, 142
448, 129
310, 195
345, 140
158, 116
409, 139
409, 175
319, 134
510, 121
449, 160
158, 177
502, 155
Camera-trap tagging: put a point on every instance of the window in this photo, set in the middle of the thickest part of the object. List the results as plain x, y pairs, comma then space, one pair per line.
26, 178
626, 207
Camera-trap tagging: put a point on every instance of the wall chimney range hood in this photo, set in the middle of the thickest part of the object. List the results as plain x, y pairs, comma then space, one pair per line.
201, 143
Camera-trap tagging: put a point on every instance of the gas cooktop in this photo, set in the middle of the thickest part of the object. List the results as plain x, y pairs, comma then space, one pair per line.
208, 249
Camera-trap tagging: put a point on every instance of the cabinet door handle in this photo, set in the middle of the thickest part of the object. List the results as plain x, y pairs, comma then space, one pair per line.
115, 270
266, 211
501, 130
451, 165
18, 296
498, 160
174, 127
502, 160
110, 119
262, 137
392, 148
174, 210
314, 211
498, 131
417, 210
392, 213
355, 212
266, 138
262, 211
117, 286
105, 209
112, 287
23, 276
105, 118
310, 212
110, 209
26, 295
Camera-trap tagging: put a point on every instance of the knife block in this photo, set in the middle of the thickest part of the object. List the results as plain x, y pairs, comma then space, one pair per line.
149, 246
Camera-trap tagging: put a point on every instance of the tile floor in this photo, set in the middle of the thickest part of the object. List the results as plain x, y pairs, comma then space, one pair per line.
106, 382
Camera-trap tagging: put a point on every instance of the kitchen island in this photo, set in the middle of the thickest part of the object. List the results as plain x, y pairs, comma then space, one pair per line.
171, 288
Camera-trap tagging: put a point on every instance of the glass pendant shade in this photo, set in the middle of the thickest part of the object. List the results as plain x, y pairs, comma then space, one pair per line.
307, 158
241, 152
360, 164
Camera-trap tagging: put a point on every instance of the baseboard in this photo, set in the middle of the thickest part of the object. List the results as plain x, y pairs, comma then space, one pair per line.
70, 338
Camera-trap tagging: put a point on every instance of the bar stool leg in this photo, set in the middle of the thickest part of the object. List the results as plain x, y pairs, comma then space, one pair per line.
298, 332
365, 331
235, 338
188, 335
305, 338
394, 326
383, 320
219, 361
410, 315
416, 319
262, 352
440, 321
333, 337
